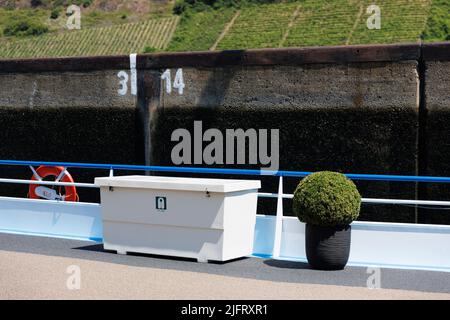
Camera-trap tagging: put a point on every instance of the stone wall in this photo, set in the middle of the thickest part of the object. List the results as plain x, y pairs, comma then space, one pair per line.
352, 117
436, 136
378, 109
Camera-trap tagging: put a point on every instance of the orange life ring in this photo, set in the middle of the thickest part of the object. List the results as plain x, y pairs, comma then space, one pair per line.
45, 171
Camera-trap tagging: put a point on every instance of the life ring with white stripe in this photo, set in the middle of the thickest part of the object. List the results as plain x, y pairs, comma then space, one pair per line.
37, 191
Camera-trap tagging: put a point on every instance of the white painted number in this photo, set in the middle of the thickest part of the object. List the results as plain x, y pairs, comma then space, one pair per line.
166, 76
178, 82
123, 76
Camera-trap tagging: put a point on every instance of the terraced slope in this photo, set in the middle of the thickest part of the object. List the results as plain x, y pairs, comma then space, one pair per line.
201, 30
438, 23
286, 24
120, 39
323, 23
259, 26
401, 21
320, 22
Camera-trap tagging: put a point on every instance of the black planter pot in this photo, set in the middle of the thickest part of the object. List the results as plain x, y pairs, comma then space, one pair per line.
327, 248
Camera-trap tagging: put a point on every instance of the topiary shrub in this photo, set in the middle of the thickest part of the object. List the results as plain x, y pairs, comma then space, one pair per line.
326, 199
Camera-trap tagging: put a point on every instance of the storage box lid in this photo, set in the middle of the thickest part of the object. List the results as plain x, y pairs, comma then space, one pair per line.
176, 183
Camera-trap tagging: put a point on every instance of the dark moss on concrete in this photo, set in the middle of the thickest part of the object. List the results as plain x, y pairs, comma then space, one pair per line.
437, 163
435, 131
100, 135
378, 141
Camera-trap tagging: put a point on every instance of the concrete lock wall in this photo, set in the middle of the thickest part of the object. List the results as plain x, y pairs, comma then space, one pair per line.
349, 118
65, 116
435, 134
359, 109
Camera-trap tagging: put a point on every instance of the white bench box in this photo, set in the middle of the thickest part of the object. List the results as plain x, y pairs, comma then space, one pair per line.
205, 219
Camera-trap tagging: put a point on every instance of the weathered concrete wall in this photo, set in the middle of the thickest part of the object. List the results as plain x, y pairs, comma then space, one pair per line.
354, 117
96, 89
66, 116
312, 86
359, 109
66, 134
436, 142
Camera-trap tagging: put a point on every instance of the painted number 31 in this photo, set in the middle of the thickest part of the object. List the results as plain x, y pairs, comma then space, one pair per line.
178, 82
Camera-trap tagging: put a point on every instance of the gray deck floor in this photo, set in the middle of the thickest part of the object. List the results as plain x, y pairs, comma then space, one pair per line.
246, 268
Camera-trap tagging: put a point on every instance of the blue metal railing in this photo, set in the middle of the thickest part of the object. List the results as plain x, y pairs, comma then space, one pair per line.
280, 195
370, 177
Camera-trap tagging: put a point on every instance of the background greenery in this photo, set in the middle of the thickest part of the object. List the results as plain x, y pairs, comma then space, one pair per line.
31, 29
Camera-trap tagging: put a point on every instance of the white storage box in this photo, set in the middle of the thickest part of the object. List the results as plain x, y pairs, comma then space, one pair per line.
206, 219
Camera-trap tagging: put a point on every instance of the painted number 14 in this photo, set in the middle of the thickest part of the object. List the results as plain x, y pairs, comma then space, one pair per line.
178, 82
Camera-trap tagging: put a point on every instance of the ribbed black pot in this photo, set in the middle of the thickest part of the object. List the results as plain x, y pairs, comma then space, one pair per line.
328, 248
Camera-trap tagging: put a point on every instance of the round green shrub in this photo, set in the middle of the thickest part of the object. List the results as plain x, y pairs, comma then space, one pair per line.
326, 199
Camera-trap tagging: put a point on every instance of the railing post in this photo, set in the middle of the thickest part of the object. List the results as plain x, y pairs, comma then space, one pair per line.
61, 175
35, 174
278, 221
